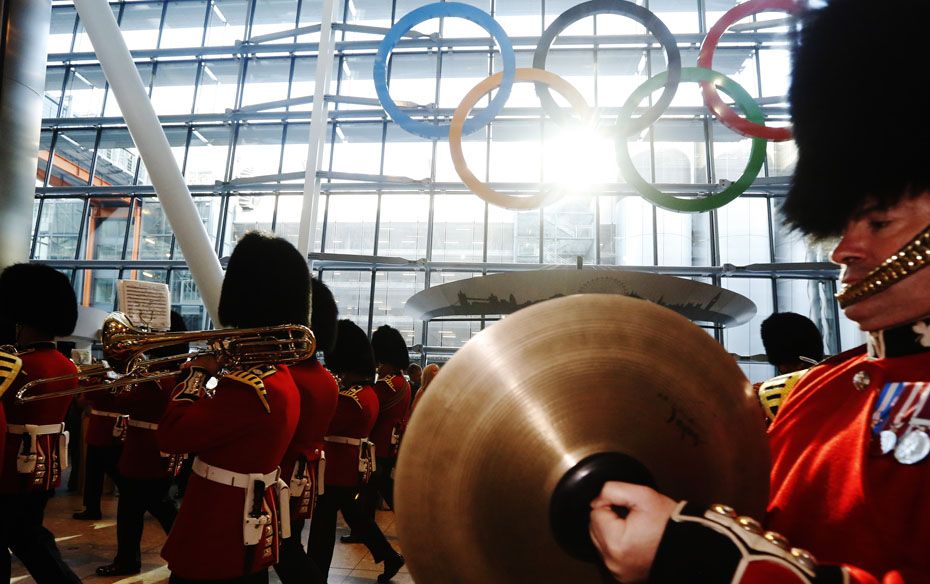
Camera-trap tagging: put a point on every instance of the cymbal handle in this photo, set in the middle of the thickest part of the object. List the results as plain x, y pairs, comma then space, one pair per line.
570, 505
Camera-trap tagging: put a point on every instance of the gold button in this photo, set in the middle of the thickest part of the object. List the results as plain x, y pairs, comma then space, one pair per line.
804, 558
861, 380
750, 525
777, 540
724, 510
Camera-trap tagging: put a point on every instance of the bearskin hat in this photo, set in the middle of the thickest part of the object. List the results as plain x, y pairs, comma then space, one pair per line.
267, 283
38, 296
787, 336
351, 352
324, 316
390, 347
857, 103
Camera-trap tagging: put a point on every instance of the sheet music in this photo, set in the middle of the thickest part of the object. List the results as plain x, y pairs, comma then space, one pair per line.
145, 303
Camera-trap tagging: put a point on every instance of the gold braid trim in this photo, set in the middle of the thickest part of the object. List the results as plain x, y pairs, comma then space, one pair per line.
10, 366
909, 259
253, 377
352, 394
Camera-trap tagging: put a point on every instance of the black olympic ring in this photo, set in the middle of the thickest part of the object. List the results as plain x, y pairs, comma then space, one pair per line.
624, 8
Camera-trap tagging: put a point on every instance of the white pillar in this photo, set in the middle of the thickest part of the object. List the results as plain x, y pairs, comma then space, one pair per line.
150, 139
318, 122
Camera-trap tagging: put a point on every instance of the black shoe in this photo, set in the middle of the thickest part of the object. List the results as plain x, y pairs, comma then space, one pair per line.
115, 569
88, 515
392, 566
351, 539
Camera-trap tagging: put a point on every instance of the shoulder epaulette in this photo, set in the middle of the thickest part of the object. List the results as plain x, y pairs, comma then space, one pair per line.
352, 393
388, 382
772, 392
253, 378
10, 366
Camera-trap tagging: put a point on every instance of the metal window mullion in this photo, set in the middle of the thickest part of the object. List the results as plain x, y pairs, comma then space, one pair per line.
224, 202
129, 217
198, 77
80, 234
93, 161
161, 24
35, 231
206, 23
250, 20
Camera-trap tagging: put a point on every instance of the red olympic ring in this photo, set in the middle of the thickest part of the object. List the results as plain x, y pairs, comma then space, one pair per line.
712, 99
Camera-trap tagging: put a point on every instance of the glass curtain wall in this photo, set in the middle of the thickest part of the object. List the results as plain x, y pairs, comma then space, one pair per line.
235, 104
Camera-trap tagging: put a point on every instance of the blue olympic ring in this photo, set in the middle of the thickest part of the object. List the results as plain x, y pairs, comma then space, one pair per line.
436, 10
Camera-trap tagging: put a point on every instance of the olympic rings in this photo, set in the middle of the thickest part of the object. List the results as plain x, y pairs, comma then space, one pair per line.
634, 12
671, 202
752, 126
436, 10
490, 195
712, 100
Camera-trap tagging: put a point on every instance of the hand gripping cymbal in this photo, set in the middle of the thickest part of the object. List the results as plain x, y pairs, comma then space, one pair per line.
522, 426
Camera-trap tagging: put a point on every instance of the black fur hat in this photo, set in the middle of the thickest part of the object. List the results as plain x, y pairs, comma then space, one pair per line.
857, 104
267, 283
390, 347
787, 336
38, 296
352, 351
324, 316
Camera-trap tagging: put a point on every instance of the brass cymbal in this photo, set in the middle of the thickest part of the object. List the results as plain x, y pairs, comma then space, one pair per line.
509, 426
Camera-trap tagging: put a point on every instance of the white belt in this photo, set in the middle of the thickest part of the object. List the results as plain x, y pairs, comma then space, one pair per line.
141, 424
106, 414
227, 477
343, 440
39, 430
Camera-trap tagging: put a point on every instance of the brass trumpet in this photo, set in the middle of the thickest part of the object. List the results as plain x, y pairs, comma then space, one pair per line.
124, 347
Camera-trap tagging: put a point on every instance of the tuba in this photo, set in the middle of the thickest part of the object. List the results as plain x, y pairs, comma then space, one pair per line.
125, 348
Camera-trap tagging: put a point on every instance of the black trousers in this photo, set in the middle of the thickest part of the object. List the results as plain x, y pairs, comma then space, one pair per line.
294, 565
323, 527
136, 496
101, 460
21, 532
381, 486
256, 578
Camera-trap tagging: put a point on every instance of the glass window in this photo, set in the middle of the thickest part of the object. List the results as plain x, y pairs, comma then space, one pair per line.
84, 92
226, 22
140, 23
61, 32
151, 236
177, 140
513, 236
392, 289
352, 291
82, 41
744, 237
746, 339
207, 155
258, 150
183, 24
273, 16
173, 90
357, 148
402, 229
568, 231
458, 228
117, 158
350, 224
111, 106
218, 86
74, 153
58, 229
248, 212
626, 232
266, 80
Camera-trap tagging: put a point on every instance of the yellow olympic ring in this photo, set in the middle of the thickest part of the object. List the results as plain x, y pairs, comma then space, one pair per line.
481, 189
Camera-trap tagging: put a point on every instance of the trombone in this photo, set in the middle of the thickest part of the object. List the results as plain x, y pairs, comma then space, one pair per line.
124, 347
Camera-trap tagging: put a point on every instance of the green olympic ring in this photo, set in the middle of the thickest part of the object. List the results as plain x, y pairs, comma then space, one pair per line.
671, 202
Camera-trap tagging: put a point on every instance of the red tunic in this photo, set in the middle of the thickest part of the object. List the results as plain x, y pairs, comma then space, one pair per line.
829, 495
40, 363
319, 395
355, 417
393, 401
231, 431
100, 427
141, 458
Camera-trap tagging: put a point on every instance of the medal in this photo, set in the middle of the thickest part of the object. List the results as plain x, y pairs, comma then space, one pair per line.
913, 447
887, 440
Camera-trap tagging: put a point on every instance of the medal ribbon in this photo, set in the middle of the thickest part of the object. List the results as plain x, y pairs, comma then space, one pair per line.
921, 419
917, 391
886, 400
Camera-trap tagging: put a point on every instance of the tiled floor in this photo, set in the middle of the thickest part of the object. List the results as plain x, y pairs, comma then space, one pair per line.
88, 544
